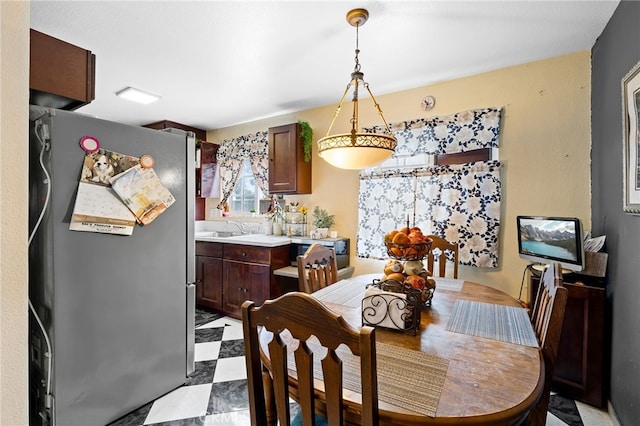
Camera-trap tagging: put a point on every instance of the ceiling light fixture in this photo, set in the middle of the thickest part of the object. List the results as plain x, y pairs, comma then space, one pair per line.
356, 150
137, 95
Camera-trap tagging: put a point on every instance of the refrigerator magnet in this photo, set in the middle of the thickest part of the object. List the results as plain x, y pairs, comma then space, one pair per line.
89, 144
147, 161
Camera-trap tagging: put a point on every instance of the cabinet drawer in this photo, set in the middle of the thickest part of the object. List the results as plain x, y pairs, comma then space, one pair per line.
208, 249
251, 254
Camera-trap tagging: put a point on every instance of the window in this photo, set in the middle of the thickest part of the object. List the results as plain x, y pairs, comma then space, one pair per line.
246, 195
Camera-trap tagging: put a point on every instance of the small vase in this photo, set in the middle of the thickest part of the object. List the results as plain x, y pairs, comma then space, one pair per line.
322, 232
277, 229
267, 228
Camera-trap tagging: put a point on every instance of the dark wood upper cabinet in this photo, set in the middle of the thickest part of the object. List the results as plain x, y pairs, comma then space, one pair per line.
288, 172
61, 75
167, 124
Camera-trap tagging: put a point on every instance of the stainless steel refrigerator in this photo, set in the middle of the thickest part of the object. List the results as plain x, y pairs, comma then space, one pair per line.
118, 311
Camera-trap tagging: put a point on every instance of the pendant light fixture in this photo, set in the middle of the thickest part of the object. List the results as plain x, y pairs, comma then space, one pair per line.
356, 150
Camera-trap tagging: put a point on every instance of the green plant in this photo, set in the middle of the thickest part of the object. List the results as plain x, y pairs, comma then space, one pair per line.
275, 212
322, 219
307, 135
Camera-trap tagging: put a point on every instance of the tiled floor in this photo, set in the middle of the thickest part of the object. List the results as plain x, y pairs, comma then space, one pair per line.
216, 393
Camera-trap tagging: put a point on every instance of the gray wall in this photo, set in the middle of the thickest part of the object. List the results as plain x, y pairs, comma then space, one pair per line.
613, 55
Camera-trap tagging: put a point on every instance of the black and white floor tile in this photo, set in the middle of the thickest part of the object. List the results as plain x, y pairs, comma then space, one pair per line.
216, 393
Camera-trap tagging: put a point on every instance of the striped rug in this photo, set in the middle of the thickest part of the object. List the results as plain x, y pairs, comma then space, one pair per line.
509, 324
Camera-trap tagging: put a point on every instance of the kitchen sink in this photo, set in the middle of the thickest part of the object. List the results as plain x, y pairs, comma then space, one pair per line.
217, 234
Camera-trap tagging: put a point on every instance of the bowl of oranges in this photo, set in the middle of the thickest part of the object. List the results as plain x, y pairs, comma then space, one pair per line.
407, 244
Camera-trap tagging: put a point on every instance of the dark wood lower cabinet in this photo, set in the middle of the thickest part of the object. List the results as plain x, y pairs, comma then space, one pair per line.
581, 370
244, 281
229, 274
208, 282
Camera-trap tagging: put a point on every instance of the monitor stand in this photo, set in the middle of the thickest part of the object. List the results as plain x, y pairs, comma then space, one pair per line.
540, 267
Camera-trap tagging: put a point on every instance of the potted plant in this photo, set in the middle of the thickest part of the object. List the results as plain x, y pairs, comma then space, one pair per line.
306, 133
322, 221
276, 217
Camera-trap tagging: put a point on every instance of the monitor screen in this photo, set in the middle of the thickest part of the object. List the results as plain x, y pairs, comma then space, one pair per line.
543, 239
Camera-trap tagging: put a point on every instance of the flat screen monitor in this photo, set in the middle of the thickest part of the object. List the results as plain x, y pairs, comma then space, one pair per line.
545, 239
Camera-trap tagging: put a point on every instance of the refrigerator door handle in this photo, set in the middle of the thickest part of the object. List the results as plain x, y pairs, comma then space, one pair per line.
191, 327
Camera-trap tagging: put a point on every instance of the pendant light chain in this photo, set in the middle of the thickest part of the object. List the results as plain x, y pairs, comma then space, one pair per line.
357, 74
356, 150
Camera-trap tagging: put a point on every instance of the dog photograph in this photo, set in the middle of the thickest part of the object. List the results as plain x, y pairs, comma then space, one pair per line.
102, 165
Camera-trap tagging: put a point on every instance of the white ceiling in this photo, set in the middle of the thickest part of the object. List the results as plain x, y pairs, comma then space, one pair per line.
220, 63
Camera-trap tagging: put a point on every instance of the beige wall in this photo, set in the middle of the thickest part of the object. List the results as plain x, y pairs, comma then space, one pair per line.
14, 95
545, 147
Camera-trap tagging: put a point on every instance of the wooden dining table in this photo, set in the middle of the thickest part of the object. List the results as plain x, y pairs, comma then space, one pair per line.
474, 359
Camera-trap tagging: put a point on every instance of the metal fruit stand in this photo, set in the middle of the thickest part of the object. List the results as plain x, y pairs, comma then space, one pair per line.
394, 304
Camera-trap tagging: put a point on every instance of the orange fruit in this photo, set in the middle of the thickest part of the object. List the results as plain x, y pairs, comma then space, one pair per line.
401, 238
389, 236
393, 266
405, 230
398, 252
415, 239
396, 276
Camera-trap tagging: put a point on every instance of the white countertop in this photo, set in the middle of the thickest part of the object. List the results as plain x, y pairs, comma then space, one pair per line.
261, 240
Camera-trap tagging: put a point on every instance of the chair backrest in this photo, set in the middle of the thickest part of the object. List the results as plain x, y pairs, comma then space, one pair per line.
443, 245
317, 268
547, 318
303, 316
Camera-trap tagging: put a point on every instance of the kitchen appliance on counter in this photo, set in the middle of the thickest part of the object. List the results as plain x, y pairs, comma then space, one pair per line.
341, 246
287, 277
112, 316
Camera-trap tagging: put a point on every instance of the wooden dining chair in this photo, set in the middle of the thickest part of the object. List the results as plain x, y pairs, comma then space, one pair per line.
547, 318
444, 246
317, 268
303, 316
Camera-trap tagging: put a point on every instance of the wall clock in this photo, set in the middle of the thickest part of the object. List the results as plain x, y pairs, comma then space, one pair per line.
428, 103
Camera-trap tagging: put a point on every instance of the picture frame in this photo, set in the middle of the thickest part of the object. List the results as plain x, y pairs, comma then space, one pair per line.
631, 139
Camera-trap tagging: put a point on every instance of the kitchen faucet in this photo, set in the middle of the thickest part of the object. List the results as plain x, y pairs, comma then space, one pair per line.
241, 226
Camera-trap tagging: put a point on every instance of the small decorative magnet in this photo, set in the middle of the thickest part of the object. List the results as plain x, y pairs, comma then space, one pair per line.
428, 103
89, 144
147, 161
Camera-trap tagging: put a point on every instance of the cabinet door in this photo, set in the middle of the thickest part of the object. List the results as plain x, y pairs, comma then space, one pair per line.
288, 172
209, 282
205, 176
580, 371
244, 281
61, 75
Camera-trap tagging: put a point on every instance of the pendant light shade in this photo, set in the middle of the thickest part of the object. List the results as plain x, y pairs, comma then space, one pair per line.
356, 150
